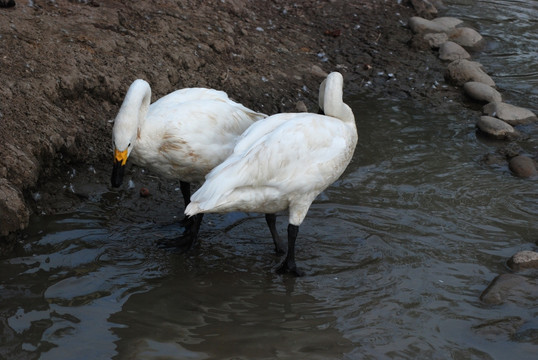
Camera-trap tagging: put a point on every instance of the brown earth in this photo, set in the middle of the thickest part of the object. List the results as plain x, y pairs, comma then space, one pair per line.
66, 65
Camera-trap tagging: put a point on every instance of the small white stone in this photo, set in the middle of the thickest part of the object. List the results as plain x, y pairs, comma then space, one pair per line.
419, 25
449, 50
447, 22
465, 37
461, 71
511, 114
435, 40
524, 259
494, 127
481, 92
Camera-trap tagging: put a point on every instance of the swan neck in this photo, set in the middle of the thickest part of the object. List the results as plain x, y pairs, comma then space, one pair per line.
332, 98
143, 100
136, 103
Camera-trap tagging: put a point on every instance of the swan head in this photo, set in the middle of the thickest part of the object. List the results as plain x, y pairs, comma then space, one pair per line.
121, 153
127, 125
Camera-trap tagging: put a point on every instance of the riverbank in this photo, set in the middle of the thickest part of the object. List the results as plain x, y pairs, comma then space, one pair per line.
69, 64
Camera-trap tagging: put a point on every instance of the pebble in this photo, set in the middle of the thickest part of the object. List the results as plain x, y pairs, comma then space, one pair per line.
435, 40
452, 51
510, 150
525, 259
523, 167
461, 71
421, 25
300, 106
466, 37
424, 7
448, 22
514, 115
144, 192
481, 92
507, 286
495, 127
317, 71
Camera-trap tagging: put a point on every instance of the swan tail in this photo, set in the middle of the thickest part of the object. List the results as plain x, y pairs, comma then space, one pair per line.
192, 209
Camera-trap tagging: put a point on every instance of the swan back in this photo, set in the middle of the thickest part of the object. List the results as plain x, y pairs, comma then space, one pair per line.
283, 161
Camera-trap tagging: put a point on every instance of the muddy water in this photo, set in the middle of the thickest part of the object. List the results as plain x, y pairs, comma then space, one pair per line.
396, 253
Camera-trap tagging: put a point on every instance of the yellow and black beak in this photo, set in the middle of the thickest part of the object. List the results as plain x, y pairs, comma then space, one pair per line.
120, 158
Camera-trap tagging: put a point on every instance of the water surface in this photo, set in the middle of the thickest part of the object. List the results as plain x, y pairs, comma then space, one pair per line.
396, 252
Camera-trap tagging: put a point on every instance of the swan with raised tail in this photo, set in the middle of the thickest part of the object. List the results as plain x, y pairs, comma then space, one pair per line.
283, 162
181, 136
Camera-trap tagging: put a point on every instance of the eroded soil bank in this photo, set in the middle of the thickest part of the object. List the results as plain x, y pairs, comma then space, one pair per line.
66, 66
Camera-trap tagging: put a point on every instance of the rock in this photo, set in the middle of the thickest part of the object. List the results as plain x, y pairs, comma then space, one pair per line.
495, 127
300, 106
506, 287
448, 22
421, 25
452, 51
14, 214
494, 160
496, 329
461, 71
510, 150
481, 92
524, 260
317, 71
425, 8
435, 40
514, 115
465, 37
523, 166
144, 192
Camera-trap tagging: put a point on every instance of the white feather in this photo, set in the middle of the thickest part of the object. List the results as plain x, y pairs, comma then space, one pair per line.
283, 161
184, 134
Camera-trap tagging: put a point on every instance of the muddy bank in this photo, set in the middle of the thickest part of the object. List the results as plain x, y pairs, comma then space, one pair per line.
67, 64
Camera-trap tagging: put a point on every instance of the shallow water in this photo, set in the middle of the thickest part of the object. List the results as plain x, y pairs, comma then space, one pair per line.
396, 253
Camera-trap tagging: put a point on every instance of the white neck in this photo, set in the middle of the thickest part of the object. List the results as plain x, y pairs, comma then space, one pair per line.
331, 96
132, 114
137, 100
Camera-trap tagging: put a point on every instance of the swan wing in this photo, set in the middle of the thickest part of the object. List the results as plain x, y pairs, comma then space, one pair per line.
304, 154
191, 138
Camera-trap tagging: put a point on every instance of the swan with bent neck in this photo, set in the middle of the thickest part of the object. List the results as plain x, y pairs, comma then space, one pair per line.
284, 162
182, 136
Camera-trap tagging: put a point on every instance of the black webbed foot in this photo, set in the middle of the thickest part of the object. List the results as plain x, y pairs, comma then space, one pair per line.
188, 239
181, 244
289, 268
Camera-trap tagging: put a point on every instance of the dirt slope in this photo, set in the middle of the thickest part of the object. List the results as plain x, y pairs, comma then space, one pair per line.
66, 65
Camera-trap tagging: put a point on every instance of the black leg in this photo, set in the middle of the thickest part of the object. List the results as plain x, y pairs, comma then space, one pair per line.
185, 188
186, 192
288, 265
271, 222
187, 240
194, 227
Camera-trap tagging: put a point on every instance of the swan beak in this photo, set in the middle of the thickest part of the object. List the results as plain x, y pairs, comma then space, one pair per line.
120, 158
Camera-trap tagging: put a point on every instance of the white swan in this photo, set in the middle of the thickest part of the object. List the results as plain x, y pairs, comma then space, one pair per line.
181, 136
283, 162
